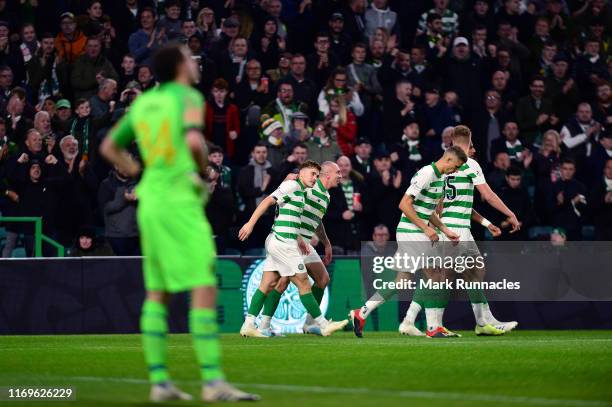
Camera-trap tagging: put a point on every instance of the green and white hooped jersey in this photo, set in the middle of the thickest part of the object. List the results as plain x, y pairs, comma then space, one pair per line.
427, 187
289, 197
459, 194
315, 207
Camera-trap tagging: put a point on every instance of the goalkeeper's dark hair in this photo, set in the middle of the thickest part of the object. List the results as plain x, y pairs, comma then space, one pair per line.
166, 61
310, 164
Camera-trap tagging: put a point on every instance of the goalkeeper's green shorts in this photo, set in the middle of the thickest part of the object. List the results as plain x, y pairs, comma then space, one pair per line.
178, 248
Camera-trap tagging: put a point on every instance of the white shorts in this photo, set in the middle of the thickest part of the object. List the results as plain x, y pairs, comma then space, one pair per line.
414, 246
465, 248
283, 257
313, 256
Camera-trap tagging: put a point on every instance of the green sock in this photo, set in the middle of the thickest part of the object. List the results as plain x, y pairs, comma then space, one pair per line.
419, 296
271, 303
204, 329
154, 328
477, 296
257, 302
318, 293
310, 303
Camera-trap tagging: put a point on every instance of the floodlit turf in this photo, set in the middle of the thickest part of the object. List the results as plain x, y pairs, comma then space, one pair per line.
383, 369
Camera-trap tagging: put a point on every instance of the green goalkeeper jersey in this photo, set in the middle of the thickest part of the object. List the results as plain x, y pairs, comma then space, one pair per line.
159, 120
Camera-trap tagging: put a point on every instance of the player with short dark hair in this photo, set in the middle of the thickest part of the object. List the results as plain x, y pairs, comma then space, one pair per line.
176, 238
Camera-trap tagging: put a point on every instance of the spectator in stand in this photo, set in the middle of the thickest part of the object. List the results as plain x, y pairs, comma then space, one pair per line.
298, 154
70, 42
354, 19
337, 85
379, 15
511, 144
488, 123
496, 177
340, 41
381, 192
101, 102
321, 147
17, 122
515, 196
561, 89
42, 124
268, 44
85, 129
234, 62
361, 161
282, 68
500, 83
148, 38
577, 135
222, 122
171, 22
117, 201
321, 63
90, 69
395, 68
341, 124
304, 88
207, 26
256, 181
433, 40
220, 207
602, 107
88, 245
567, 201
600, 201
41, 67
599, 153
545, 169
29, 43
534, 112
128, 70
436, 113
591, 69
450, 19
145, 78
62, 120
363, 80
480, 17
398, 111
229, 30
283, 107
343, 218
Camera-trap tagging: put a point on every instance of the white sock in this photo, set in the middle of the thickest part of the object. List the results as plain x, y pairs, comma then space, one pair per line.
265, 322
488, 315
432, 318
321, 321
440, 316
412, 312
479, 313
370, 306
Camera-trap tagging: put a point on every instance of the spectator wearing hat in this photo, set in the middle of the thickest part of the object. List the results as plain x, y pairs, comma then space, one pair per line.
62, 119
268, 44
340, 41
561, 88
117, 201
88, 245
90, 69
600, 201
70, 42
299, 131
274, 140
361, 161
463, 73
148, 38
229, 31
222, 121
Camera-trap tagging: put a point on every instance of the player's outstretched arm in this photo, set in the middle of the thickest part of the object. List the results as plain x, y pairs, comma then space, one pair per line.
407, 207
478, 218
492, 199
247, 229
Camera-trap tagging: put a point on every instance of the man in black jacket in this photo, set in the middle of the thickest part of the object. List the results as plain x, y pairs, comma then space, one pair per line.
256, 181
515, 196
567, 201
600, 201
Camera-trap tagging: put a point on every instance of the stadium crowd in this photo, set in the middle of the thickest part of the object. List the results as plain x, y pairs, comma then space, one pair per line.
374, 87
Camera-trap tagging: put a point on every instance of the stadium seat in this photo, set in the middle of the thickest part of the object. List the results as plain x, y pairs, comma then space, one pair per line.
19, 252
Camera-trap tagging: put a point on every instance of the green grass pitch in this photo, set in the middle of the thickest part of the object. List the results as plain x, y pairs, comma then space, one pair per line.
540, 368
